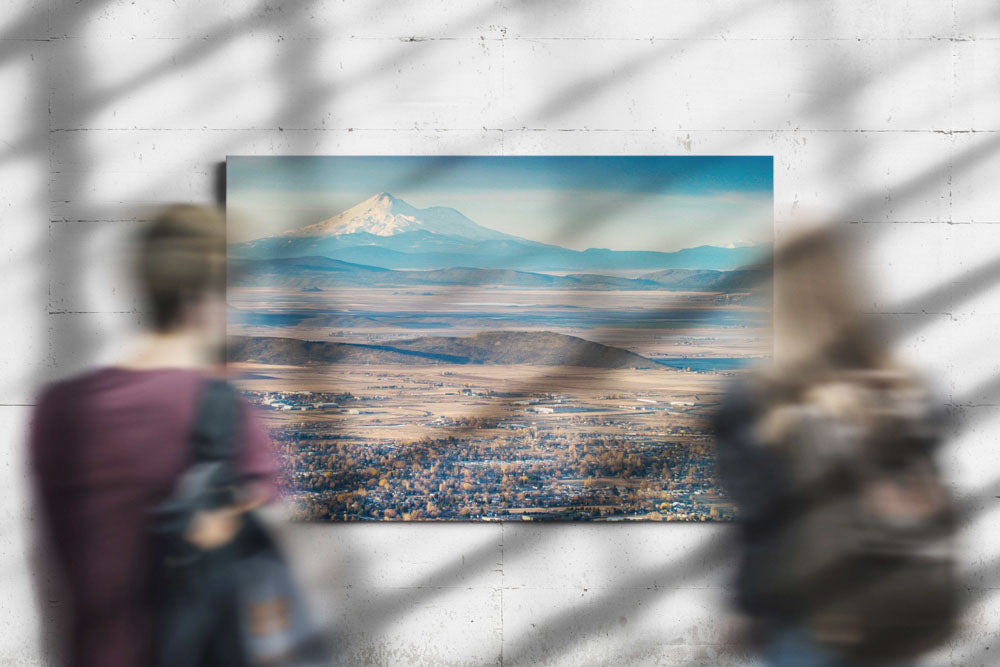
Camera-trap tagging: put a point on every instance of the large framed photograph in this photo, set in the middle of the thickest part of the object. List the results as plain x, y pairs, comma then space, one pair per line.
497, 338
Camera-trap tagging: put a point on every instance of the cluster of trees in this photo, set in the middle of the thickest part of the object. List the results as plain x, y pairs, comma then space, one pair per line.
336, 477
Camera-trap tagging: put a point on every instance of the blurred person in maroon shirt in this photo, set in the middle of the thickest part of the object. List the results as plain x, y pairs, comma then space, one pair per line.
108, 446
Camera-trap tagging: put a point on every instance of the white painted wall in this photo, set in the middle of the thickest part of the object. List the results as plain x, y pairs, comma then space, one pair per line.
883, 113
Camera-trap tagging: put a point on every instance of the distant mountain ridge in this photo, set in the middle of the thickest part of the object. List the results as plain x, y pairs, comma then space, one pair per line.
386, 231
322, 272
538, 348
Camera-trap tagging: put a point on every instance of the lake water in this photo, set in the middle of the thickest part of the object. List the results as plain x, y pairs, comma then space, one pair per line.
702, 364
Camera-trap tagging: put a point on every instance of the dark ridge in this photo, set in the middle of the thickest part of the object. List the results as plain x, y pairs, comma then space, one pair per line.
539, 348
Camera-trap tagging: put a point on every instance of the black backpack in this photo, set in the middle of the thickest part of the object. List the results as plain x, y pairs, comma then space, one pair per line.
861, 550
238, 604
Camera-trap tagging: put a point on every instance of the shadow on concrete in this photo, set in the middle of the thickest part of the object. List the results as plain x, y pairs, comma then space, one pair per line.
554, 635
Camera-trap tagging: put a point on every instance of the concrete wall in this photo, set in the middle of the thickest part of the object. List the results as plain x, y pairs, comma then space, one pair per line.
885, 114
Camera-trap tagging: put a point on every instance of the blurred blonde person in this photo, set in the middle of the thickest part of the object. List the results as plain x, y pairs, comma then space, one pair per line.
829, 453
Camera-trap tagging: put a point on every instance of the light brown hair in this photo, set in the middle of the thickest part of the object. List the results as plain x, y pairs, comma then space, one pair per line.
180, 259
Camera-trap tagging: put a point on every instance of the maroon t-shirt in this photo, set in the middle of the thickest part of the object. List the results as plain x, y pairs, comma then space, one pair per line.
106, 448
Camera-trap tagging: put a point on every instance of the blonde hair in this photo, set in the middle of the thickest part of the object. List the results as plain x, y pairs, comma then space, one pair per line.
818, 316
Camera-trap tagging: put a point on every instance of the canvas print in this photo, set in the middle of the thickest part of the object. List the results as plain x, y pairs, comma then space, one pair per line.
497, 338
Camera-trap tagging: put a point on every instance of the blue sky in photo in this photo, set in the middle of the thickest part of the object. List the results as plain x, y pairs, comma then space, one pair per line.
619, 202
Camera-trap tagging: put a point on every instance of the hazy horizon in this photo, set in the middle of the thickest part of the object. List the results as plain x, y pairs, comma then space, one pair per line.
620, 203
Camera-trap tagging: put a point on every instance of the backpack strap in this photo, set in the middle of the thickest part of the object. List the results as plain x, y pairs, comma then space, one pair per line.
210, 480
213, 438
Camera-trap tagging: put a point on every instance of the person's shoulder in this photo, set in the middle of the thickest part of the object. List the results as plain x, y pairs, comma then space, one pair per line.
746, 394
737, 407
75, 384
102, 380
56, 402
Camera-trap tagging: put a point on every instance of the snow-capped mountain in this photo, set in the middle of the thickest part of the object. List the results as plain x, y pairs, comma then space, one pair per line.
385, 215
387, 232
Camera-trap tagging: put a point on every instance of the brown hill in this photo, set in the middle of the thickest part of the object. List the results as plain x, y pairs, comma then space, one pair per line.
540, 348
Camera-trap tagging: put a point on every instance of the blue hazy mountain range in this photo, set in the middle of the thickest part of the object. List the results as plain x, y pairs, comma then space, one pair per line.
317, 273
385, 231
